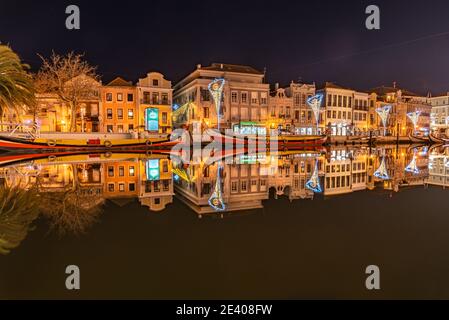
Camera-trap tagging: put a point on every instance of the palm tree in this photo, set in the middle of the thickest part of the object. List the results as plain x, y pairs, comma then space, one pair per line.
16, 84
18, 210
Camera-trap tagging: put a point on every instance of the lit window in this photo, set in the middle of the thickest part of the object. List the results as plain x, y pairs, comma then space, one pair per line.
234, 97
254, 98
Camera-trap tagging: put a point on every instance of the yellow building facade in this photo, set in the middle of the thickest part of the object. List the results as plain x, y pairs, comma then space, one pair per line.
155, 95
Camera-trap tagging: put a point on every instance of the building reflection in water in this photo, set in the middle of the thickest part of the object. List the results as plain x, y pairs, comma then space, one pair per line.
73, 189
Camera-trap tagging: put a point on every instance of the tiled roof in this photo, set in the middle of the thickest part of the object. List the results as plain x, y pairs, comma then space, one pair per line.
331, 85
120, 82
381, 91
232, 68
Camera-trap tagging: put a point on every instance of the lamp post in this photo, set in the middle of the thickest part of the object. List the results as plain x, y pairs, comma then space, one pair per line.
83, 113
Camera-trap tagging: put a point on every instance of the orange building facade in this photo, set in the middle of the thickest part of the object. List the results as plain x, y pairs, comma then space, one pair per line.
119, 112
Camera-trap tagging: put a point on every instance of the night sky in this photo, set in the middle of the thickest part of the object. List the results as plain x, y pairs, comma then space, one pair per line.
309, 40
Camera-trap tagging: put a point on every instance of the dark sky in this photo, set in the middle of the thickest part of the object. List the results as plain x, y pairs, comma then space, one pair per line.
319, 40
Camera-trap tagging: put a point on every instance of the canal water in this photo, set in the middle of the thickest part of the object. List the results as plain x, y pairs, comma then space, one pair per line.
302, 224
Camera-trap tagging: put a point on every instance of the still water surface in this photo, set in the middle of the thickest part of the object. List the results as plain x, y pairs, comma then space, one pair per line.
296, 225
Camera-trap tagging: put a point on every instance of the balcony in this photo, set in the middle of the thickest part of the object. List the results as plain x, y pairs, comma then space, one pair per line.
155, 102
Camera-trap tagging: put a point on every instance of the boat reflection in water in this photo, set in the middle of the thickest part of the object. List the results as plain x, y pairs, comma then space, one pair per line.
71, 190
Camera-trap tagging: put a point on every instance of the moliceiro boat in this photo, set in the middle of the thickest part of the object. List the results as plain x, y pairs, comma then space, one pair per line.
111, 142
416, 139
88, 142
438, 140
289, 142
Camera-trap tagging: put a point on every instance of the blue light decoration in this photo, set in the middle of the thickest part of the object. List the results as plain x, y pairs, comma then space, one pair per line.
152, 170
315, 102
314, 183
384, 113
216, 200
175, 107
413, 165
382, 172
216, 91
152, 119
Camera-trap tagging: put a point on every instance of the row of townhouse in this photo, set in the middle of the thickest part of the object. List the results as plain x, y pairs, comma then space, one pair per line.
439, 122
148, 180
117, 107
250, 106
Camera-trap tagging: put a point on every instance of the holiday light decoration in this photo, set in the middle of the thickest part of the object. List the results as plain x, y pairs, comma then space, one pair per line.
216, 91
315, 103
182, 174
414, 118
216, 200
413, 165
382, 171
314, 183
384, 113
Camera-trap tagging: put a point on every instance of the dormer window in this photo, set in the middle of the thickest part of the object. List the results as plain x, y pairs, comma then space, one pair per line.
155, 82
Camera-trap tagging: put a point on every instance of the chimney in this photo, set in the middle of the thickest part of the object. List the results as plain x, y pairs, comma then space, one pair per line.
394, 84
276, 86
221, 66
198, 66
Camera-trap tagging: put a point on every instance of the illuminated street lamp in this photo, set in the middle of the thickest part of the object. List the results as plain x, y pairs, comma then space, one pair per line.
384, 113
315, 103
83, 114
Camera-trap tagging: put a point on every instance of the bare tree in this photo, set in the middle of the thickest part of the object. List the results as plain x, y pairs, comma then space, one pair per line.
71, 78
72, 210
